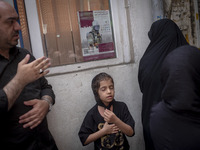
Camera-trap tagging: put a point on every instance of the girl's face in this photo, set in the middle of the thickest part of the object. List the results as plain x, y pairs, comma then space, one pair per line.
106, 91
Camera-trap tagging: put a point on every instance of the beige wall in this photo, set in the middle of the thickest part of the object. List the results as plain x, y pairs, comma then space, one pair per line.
74, 95
72, 86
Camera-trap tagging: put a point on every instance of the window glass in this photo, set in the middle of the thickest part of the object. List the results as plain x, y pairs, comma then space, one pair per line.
76, 30
24, 33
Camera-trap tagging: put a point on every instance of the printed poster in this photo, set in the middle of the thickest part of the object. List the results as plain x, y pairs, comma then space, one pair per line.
96, 35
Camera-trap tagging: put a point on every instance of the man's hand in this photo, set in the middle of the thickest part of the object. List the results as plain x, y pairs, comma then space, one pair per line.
29, 72
26, 73
35, 116
109, 116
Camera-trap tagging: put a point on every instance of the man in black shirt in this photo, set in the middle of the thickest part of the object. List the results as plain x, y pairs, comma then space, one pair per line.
25, 95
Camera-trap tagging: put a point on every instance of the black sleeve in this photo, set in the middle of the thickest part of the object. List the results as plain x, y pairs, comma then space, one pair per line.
87, 128
46, 89
3, 102
127, 118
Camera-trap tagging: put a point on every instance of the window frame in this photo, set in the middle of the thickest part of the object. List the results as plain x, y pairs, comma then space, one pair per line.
121, 38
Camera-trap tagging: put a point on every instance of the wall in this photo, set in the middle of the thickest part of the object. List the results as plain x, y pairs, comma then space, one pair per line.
186, 15
74, 95
75, 98
73, 92
10, 1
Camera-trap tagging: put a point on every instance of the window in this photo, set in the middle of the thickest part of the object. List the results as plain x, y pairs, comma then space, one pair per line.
24, 33
76, 31
118, 9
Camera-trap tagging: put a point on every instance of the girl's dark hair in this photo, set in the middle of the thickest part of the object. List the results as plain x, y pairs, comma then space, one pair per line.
96, 83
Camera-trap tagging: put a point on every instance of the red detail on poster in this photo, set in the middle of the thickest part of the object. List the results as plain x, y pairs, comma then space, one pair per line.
86, 18
97, 40
104, 47
100, 56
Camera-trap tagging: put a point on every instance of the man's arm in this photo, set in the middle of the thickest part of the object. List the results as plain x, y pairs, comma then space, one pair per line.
40, 106
26, 73
47, 92
49, 100
13, 90
35, 116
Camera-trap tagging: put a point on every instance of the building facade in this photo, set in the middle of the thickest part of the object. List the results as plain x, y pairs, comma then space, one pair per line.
71, 79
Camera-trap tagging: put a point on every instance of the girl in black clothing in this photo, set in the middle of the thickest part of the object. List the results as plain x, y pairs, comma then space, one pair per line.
107, 123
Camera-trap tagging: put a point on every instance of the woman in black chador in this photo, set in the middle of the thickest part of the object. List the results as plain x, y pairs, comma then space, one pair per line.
175, 121
165, 36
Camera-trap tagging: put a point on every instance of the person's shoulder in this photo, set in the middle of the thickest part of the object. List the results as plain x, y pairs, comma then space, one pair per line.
92, 110
23, 50
120, 103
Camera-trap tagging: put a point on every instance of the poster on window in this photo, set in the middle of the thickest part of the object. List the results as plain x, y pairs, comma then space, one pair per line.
96, 35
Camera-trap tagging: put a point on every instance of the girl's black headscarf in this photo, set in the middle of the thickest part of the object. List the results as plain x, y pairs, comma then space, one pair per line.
164, 37
96, 85
180, 75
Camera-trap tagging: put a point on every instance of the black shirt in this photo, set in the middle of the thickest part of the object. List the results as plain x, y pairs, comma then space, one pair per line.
94, 122
12, 133
180, 74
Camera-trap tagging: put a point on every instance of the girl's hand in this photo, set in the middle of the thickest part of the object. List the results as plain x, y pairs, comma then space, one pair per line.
109, 116
110, 128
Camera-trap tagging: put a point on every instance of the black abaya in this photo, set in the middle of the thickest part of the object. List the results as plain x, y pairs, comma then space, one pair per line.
175, 121
165, 36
